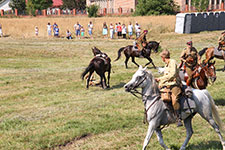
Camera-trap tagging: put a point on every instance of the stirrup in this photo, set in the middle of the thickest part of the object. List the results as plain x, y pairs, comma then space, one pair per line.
179, 123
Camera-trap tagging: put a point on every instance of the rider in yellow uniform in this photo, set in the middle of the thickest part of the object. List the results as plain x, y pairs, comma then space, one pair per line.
171, 80
221, 41
191, 59
141, 41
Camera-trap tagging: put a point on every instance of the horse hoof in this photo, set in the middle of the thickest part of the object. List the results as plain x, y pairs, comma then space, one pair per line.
108, 86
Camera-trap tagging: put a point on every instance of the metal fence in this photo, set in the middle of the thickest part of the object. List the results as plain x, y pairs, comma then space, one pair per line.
116, 11
197, 22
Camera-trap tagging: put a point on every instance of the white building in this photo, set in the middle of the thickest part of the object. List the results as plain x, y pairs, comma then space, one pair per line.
4, 4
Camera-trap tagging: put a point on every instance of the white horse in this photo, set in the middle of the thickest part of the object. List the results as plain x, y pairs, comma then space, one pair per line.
157, 113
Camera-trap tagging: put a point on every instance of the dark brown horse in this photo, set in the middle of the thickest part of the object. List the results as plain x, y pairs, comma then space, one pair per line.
212, 52
201, 75
100, 64
130, 52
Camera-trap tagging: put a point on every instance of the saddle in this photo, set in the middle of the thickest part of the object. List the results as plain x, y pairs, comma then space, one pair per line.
187, 105
104, 57
135, 48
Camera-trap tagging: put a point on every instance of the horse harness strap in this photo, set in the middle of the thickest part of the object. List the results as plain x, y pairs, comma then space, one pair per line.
146, 110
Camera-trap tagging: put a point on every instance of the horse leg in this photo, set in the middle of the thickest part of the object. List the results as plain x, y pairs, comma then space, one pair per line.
101, 80
216, 128
88, 80
189, 132
108, 86
212, 114
133, 60
104, 81
149, 135
150, 61
160, 139
126, 61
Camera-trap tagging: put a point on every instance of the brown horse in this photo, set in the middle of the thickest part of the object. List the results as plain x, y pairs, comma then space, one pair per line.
201, 75
129, 52
212, 52
101, 63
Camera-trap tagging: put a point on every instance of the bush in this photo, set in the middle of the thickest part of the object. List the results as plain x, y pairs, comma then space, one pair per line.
92, 11
156, 7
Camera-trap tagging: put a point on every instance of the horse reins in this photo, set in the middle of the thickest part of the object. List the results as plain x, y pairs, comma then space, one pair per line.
135, 91
146, 110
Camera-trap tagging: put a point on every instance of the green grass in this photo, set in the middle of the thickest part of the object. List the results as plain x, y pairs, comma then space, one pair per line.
44, 103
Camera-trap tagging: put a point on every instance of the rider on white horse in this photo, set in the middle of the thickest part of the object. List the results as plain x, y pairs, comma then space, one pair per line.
171, 80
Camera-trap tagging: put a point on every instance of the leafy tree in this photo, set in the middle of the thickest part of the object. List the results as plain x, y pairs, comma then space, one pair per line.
41, 4
200, 5
20, 5
77, 4
33, 5
30, 8
156, 7
92, 10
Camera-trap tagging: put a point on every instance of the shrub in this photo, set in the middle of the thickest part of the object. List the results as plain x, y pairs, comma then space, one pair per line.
92, 10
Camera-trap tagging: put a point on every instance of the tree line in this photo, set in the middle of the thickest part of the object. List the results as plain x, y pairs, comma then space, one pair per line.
144, 7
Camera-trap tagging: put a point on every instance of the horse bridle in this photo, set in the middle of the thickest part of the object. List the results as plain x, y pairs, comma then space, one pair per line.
134, 91
205, 68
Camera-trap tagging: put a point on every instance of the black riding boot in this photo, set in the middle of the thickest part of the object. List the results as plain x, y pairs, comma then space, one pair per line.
178, 118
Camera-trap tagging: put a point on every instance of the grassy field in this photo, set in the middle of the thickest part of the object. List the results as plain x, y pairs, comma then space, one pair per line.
44, 103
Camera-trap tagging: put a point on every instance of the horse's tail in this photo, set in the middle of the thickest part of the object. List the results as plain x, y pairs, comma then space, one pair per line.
119, 53
215, 112
202, 51
91, 65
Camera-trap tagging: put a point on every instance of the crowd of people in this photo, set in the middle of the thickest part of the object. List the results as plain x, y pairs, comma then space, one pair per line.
113, 31
121, 31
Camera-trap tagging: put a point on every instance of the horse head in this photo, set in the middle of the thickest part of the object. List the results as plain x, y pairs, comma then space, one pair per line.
96, 51
142, 79
210, 71
138, 80
153, 45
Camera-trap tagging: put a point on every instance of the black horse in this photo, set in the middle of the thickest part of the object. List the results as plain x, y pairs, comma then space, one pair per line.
101, 63
130, 52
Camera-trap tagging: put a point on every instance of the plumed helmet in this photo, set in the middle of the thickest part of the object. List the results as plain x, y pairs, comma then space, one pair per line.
145, 31
189, 43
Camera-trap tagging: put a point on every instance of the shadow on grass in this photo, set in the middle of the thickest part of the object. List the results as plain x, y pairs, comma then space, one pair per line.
220, 69
209, 145
120, 85
6, 35
213, 145
220, 102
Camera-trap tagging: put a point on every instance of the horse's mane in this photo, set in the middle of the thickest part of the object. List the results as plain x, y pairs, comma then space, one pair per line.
155, 87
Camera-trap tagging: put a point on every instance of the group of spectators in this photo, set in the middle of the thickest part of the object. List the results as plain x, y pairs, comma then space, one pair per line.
79, 30
120, 31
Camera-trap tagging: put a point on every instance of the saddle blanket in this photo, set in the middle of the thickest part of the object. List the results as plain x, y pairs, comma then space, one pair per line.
135, 48
187, 106
219, 53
